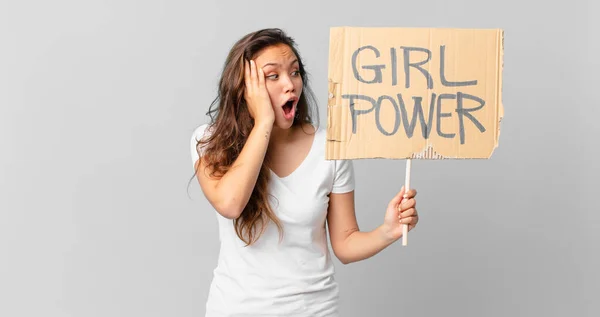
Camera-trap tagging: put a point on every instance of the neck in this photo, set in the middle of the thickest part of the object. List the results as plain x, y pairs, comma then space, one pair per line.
281, 136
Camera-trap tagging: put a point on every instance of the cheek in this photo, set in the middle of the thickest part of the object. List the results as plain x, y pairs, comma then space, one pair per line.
298, 85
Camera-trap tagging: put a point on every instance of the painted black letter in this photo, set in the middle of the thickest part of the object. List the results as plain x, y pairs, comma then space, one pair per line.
417, 65
355, 113
443, 76
409, 128
396, 112
394, 66
377, 68
446, 114
465, 112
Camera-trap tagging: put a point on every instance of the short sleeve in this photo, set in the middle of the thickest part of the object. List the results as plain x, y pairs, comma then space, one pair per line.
196, 150
343, 180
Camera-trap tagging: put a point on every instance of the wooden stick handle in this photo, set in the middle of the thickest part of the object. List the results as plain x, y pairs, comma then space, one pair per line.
406, 187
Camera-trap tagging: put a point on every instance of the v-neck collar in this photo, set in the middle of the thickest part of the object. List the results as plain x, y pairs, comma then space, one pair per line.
308, 155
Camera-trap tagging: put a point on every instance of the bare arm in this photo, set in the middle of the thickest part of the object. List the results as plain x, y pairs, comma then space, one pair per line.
349, 243
230, 194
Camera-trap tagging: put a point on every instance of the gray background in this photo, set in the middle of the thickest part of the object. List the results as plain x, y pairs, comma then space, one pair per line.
99, 99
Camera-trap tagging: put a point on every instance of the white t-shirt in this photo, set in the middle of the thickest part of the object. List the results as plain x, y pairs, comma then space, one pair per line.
294, 277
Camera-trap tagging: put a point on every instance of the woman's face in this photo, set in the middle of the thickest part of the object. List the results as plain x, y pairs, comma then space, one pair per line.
282, 80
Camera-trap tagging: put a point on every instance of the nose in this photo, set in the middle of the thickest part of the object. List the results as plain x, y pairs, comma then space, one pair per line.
288, 85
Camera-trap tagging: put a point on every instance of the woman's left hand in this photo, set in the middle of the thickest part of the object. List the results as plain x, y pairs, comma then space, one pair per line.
401, 210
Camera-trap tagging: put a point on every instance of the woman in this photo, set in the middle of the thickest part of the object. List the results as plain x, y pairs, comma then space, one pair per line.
261, 165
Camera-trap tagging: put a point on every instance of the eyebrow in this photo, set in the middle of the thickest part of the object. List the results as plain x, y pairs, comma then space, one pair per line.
278, 64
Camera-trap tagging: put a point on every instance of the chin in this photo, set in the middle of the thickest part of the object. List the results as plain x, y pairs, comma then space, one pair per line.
284, 124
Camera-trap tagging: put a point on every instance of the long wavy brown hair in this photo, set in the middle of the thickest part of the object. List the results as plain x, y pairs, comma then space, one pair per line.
231, 125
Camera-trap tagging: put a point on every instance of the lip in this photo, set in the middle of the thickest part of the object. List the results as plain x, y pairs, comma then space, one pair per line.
292, 113
292, 98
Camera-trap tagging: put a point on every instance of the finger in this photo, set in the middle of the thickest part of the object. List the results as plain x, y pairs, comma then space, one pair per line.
397, 199
411, 193
406, 204
261, 77
410, 227
247, 73
413, 222
408, 221
408, 213
254, 74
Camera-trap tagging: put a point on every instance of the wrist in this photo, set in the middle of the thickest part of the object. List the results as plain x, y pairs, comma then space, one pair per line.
385, 234
264, 125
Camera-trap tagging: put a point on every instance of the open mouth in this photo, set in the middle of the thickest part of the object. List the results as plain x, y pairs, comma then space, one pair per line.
289, 109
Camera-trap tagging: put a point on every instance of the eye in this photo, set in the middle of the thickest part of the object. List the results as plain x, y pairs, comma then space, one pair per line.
296, 73
273, 77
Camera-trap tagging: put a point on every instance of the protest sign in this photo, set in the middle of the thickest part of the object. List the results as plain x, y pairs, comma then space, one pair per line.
414, 93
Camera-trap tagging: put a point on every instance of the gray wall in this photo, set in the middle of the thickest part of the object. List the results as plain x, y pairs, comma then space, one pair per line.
98, 100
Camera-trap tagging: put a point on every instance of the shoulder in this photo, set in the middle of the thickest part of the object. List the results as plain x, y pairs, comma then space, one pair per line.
343, 170
339, 173
200, 133
319, 133
320, 141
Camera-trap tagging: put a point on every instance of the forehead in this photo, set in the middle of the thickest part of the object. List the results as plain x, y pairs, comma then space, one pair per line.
279, 53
